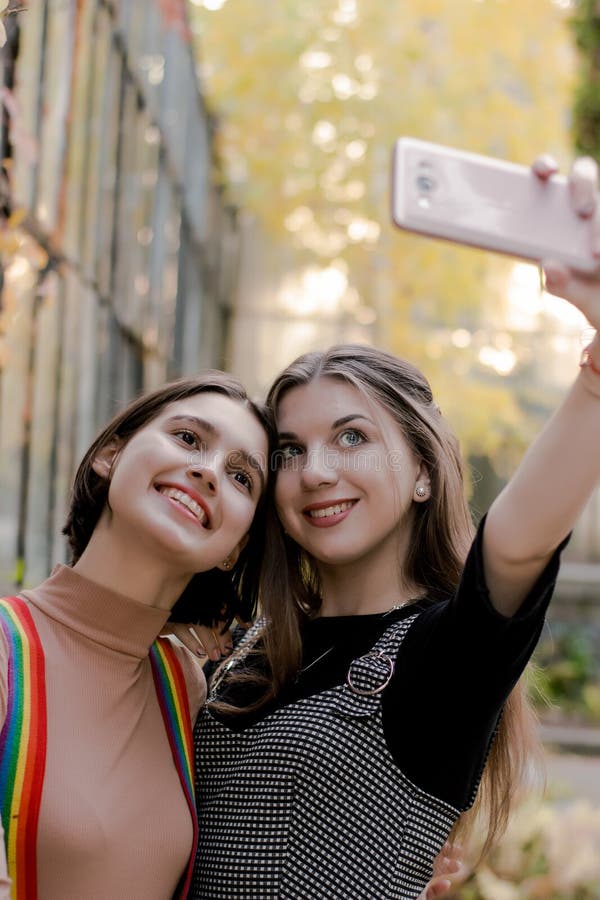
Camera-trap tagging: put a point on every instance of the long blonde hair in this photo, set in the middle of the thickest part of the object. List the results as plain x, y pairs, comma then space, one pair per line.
441, 537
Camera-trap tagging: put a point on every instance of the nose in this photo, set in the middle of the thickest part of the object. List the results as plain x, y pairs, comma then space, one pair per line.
204, 469
320, 468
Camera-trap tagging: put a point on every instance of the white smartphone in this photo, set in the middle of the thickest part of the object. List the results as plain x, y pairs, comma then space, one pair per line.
487, 203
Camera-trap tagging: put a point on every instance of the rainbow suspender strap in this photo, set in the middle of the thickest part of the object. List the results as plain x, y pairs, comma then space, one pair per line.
22, 746
175, 708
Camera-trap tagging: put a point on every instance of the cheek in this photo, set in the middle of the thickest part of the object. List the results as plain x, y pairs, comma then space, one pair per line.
282, 493
117, 488
132, 461
239, 510
248, 516
280, 508
289, 522
126, 467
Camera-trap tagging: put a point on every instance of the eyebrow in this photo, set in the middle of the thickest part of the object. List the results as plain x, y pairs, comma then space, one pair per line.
209, 428
345, 419
204, 424
337, 424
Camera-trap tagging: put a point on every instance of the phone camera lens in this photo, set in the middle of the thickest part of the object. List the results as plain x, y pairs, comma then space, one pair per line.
425, 184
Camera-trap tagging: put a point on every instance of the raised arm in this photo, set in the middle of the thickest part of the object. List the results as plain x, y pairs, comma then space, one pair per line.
545, 496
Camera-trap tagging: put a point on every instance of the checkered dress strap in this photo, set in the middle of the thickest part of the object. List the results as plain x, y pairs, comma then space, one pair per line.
369, 675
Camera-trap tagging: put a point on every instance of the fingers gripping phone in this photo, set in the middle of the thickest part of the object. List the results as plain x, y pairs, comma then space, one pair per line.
487, 203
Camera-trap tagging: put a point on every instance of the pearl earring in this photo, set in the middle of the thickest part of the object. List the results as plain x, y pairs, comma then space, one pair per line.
226, 564
420, 491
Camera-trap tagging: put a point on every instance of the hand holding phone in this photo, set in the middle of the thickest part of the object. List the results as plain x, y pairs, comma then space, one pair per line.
488, 203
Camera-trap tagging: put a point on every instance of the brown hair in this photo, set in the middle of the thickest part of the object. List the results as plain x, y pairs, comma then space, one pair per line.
222, 594
441, 538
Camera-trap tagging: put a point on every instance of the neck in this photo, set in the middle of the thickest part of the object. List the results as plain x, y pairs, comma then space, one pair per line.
147, 580
354, 590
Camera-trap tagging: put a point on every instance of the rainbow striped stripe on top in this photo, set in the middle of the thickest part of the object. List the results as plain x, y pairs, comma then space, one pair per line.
174, 704
22, 746
23, 741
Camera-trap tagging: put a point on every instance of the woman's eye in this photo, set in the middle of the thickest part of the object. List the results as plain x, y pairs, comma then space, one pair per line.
351, 438
244, 479
188, 437
285, 453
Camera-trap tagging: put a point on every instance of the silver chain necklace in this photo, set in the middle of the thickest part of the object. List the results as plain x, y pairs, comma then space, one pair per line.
315, 661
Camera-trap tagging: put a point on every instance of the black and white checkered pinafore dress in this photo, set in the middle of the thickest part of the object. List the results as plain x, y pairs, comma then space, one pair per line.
308, 803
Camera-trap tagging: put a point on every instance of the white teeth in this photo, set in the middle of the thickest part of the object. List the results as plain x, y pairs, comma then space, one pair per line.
185, 500
329, 510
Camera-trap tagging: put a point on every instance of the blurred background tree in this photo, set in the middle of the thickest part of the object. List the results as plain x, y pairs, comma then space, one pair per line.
586, 113
311, 97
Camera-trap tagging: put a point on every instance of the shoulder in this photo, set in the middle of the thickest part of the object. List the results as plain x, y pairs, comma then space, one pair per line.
193, 675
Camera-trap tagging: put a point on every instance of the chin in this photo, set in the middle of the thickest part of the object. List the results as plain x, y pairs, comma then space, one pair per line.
341, 558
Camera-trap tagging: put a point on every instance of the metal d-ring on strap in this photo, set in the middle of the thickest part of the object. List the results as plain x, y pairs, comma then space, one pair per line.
378, 654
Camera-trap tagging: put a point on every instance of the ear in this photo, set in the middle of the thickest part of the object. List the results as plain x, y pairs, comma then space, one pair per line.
228, 564
105, 459
422, 489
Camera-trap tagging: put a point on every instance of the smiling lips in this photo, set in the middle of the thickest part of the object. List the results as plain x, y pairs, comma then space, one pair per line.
323, 515
183, 499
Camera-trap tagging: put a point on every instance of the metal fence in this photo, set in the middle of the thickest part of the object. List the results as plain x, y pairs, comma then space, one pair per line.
118, 251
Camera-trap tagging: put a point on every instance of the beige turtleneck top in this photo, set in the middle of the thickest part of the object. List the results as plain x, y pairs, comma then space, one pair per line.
114, 823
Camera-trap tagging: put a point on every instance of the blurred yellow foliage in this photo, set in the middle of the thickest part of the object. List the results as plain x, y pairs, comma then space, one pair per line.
311, 96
